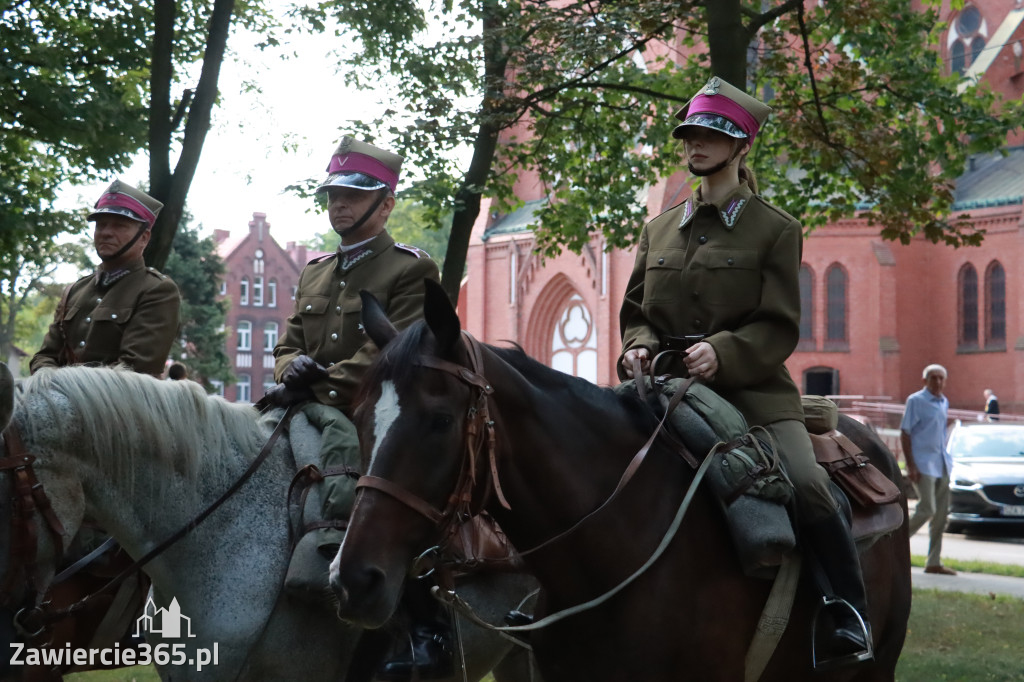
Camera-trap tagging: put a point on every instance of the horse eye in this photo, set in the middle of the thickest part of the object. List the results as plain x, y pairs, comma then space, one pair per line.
441, 422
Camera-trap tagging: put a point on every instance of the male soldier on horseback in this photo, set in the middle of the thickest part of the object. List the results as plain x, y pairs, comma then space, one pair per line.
717, 276
324, 353
122, 314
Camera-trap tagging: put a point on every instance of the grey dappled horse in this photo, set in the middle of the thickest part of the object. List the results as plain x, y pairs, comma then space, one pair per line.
143, 457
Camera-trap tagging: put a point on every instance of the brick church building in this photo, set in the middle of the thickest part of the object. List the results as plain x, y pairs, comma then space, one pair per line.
260, 279
875, 312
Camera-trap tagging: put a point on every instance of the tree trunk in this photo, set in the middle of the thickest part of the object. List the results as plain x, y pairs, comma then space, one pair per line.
727, 42
467, 199
172, 189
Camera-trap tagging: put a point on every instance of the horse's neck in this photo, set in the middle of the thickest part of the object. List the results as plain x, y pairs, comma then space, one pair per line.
559, 459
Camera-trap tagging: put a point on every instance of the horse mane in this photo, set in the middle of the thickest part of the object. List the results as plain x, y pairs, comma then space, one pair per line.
125, 417
404, 350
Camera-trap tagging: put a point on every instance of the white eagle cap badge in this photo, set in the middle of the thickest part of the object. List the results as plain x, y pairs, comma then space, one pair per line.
712, 86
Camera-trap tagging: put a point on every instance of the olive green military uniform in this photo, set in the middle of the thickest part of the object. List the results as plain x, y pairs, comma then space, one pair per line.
326, 326
133, 321
730, 271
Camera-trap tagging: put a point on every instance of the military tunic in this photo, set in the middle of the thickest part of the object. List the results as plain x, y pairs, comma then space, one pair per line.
729, 271
326, 322
133, 321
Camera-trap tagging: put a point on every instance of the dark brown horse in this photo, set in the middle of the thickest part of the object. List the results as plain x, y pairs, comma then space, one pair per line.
561, 446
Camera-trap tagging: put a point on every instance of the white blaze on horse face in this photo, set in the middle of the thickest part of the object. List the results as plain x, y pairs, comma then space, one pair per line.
385, 414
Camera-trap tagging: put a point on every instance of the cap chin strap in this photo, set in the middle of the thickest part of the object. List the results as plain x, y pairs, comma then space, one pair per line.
142, 228
366, 216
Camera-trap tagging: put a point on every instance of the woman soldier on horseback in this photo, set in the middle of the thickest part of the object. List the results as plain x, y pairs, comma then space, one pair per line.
717, 277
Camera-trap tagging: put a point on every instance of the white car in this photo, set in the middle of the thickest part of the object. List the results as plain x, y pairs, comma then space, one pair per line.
987, 481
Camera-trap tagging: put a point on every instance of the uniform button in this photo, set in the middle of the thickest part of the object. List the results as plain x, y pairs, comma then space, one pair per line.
341, 284
332, 395
330, 364
99, 300
729, 261
308, 308
88, 319
661, 261
113, 316
334, 337
81, 344
703, 239
338, 309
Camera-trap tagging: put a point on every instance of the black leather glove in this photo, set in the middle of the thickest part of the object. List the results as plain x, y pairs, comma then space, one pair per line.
303, 371
280, 395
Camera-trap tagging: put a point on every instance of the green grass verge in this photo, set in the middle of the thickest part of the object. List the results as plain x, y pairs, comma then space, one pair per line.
952, 637
973, 566
958, 637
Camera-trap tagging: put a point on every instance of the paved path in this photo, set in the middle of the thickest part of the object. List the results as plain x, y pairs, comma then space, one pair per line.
977, 583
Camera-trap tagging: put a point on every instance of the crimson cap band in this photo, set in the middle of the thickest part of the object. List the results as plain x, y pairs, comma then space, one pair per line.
125, 200
359, 165
725, 108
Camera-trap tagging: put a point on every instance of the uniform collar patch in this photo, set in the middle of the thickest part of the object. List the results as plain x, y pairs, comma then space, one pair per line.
732, 211
350, 258
688, 212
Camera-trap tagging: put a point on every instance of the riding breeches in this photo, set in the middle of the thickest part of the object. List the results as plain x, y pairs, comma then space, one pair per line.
811, 483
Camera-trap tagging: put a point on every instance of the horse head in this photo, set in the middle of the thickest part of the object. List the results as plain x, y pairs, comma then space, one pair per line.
413, 424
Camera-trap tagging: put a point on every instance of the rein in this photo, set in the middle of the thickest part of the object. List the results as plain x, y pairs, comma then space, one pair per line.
461, 499
45, 618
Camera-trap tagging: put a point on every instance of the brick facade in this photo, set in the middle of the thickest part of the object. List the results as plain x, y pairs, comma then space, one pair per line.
260, 279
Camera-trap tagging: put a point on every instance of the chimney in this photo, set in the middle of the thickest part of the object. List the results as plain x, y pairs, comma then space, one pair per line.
220, 235
259, 225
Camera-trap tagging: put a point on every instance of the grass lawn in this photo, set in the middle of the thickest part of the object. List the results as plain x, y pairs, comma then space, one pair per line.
952, 637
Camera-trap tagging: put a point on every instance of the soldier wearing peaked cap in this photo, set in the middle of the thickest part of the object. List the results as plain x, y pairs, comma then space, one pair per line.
322, 357
717, 277
124, 313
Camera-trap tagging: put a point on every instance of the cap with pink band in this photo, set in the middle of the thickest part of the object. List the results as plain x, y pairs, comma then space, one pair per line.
133, 208
723, 106
354, 162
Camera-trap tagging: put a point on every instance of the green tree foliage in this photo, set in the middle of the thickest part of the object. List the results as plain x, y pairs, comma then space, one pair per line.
26, 272
866, 118
85, 84
197, 270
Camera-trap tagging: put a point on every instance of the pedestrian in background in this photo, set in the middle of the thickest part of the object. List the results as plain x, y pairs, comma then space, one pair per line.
923, 437
991, 406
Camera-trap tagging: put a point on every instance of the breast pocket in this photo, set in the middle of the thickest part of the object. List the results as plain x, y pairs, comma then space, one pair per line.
664, 275
733, 278
105, 327
313, 313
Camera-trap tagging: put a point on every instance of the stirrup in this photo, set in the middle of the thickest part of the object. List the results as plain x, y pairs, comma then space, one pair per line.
867, 654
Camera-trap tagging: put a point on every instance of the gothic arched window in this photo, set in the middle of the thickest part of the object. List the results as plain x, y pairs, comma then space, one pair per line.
967, 281
574, 341
995, 305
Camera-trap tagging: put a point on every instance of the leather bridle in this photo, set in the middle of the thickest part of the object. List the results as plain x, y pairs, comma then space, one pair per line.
27, 500
480, 442
480, 437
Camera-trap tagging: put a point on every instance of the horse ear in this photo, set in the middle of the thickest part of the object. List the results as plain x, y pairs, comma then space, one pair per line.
441, 317
375, 321
6, 396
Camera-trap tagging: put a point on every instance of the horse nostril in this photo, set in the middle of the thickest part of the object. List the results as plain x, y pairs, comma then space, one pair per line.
361, 585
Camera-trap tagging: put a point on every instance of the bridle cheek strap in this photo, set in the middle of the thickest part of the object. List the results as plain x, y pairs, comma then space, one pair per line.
28, 498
